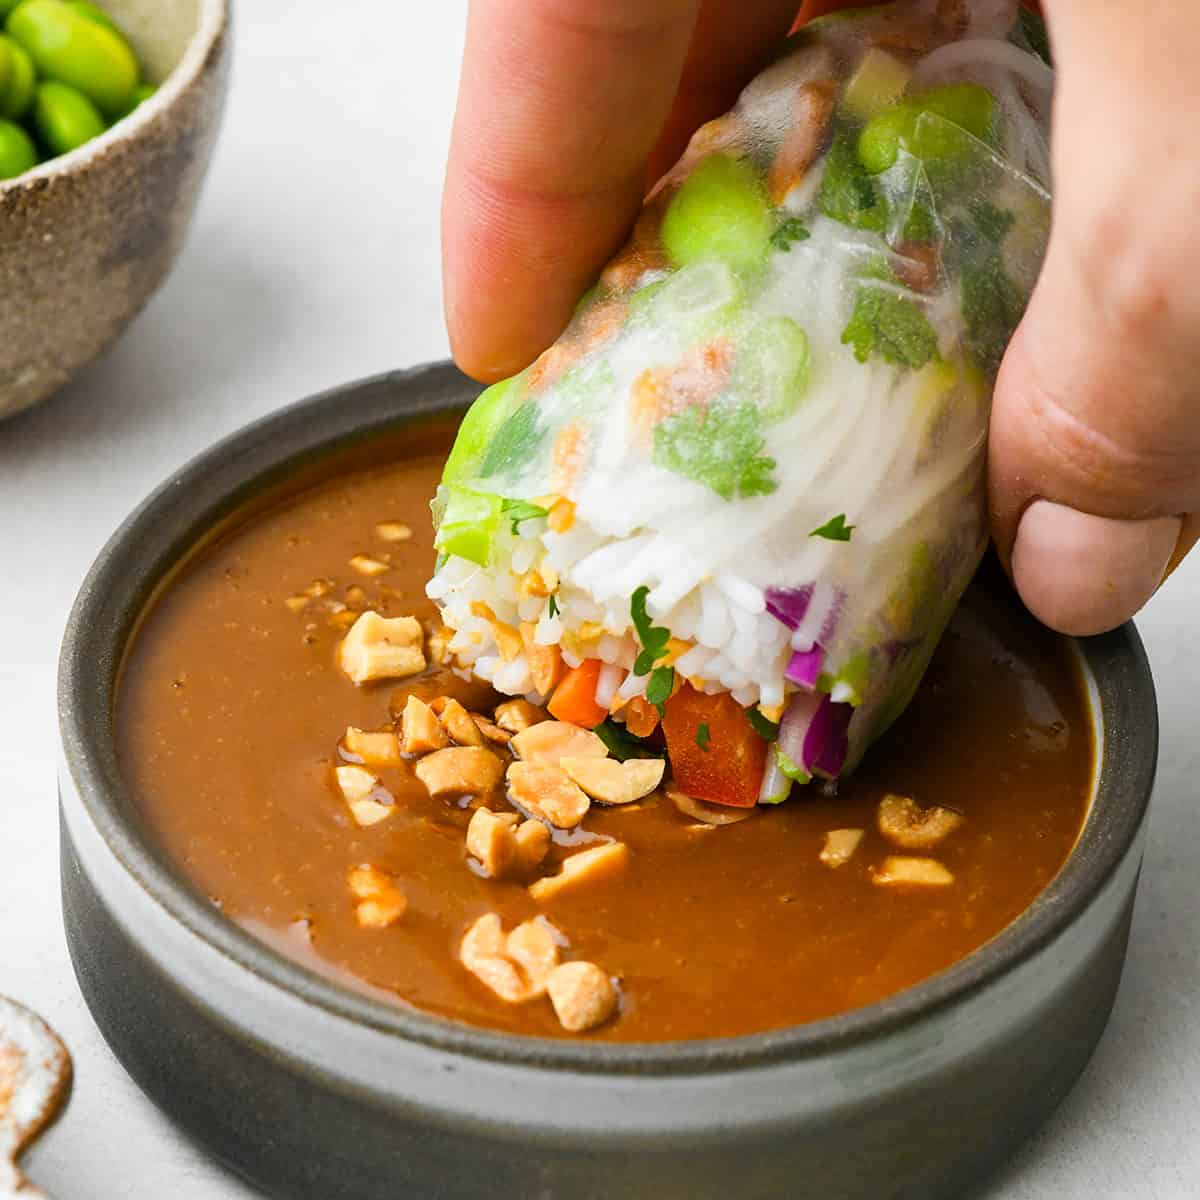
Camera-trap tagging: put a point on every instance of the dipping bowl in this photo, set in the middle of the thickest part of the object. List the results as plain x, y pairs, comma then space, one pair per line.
309, 1089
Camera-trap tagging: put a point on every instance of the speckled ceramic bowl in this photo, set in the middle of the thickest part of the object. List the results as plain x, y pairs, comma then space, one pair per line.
86, 238
313, 1091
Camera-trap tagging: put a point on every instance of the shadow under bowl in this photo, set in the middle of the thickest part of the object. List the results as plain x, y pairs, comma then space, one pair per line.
87, 238
310, 1090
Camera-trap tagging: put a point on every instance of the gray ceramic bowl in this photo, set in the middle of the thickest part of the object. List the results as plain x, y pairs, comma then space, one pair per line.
85, 239
310, 1090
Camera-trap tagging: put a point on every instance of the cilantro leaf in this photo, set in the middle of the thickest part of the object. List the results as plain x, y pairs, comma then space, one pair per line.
621, 744
835, 529
659, 686
552, 605
992, 305
991, 222
719, 447
703, 737
848, 193
891, 326
514, 443
521, 510
766, 729
790, 230
654, 638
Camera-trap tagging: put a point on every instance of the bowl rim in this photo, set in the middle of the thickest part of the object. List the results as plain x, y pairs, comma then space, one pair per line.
257, 458
212, 24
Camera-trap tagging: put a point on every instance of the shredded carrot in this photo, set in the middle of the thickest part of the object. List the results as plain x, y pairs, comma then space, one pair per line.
574, 699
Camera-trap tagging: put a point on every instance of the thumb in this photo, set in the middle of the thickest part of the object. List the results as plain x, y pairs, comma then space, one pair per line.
1095, 442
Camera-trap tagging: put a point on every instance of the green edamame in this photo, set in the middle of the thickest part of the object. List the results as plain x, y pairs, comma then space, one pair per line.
720, 212
71, 49
93, 12
17, 152
16, 93
64, 117
141, 94
965, 105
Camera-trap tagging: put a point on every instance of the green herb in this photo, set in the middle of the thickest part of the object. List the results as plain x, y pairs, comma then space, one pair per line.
991, 222
659, 687
766, 729
835, 529
992, 305
719, 448
848, 193
790, 230
552, 604
514, 443
703, 738
654, 638
521, 510
1034, 29
620, 743
891, 326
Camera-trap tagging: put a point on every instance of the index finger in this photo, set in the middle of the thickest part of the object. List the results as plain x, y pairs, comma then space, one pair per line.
559, 106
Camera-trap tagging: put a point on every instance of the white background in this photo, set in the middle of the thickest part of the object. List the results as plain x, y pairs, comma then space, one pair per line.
314, 261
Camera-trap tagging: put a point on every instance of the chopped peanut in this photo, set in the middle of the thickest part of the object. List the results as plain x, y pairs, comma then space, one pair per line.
377, 748
393, 531
492, 733
356, 783
363, 795
492, 841
459, 771
903, 821
365, 564
460, 725
547, 793
381, 902
582, 995
546, 666
508, 640
592, 866
439, 644
612, 782
534, 948
538, 583
903, 869
356, 598
420, 729
382, 648
297, 603
482, 952
549, 741
840, 845
533, 841
516, 715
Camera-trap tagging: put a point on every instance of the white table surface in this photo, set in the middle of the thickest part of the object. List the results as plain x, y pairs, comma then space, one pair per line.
313, 261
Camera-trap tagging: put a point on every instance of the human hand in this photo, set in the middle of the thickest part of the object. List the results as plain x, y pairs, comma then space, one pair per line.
1095, 445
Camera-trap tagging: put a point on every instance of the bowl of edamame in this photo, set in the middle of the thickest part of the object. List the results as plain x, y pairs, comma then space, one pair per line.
108, 113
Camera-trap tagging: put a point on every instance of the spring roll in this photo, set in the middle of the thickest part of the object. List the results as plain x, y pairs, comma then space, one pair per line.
744, 491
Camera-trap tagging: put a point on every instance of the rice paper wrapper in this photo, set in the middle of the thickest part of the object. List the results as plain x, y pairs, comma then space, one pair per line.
784, 379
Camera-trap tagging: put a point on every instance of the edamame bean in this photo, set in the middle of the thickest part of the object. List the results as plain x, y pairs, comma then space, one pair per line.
93, 12
17, 152
16, 94
70, 49
64, 117
720, 212
141, 94
966, 105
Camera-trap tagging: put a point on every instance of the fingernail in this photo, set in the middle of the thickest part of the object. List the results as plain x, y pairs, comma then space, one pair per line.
1082, 574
